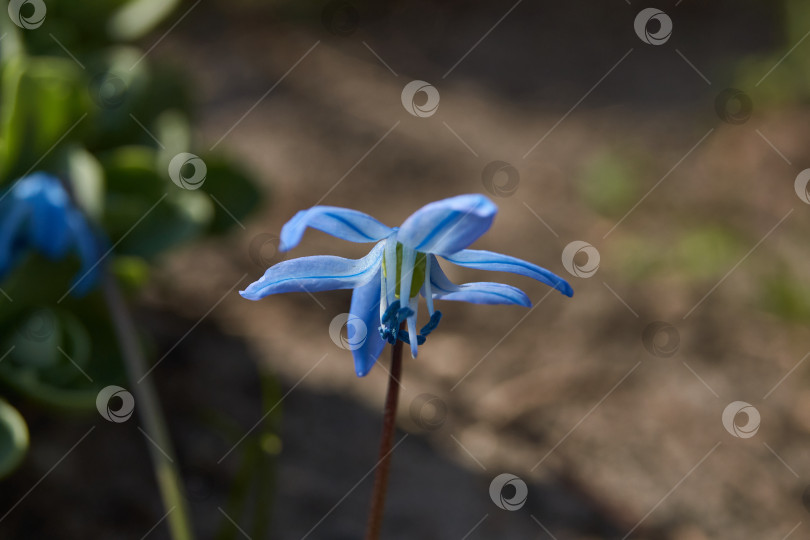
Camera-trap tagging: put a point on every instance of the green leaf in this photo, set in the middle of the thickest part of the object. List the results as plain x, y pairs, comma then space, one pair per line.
173, 130
132, 273
136, 18
13, 438
144, 209
50, 348
54, 360
43, 101
11, 45
236, 195
117, 82
86, 180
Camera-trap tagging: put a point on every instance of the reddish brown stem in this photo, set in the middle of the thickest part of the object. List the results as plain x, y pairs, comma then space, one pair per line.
375, 516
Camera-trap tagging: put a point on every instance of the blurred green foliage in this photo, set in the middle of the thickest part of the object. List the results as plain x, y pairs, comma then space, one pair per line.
13, 437
79, 102
786, 296
609, 182
707, 251
697, 253
781, 77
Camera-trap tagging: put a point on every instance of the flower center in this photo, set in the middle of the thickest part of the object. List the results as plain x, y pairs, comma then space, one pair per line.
418, 272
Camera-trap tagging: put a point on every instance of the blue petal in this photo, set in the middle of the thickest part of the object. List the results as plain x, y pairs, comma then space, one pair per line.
50, 204
88, 246
12, 217
413, 337
487, 293
319, 273
488, 260
344, 223
38, 214
439, 282
475, 293
447, 226
366, 307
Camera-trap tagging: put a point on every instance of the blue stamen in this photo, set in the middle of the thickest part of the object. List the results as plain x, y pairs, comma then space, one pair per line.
403, 336
391, 319
390, 311
432, 324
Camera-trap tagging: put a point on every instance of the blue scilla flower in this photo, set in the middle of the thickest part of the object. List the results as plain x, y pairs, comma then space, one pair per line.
401, 265
36, 213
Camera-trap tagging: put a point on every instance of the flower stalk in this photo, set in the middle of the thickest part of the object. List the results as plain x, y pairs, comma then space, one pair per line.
380, 489
148, 406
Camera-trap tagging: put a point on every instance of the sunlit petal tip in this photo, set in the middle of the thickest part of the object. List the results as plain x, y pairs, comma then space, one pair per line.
361, 371
247, 295
363, 363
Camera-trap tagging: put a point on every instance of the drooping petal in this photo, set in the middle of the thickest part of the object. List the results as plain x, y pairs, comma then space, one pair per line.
38, 214
318, 273
427, 290
344, 223
447, 226
489, 260
365, 307
487, 293
475, 293
411, 325
439, 282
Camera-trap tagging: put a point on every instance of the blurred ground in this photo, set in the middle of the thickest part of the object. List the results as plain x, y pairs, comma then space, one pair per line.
568, 396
